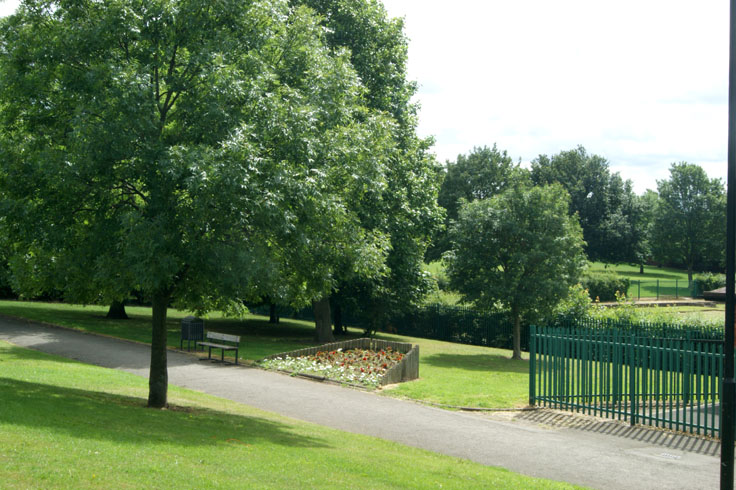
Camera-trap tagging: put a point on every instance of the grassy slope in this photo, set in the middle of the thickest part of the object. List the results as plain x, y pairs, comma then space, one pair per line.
452, 374
672, 282
449, 298
69, 425
464, 375
651, 273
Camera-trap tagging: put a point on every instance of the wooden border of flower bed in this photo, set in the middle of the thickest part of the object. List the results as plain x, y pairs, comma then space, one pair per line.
406, 369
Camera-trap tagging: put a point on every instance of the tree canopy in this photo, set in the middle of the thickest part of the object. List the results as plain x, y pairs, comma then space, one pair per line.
401, 208
605, 204
689, 226
179, 148
481, 174
520, 250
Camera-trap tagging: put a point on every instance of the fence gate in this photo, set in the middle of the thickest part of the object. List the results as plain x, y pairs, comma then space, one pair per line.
663, 382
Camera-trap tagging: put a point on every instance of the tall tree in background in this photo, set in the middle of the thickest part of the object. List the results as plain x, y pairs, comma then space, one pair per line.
646, 211
688, 226
147, 133
481, 174
521, 250
603, 201
403, 209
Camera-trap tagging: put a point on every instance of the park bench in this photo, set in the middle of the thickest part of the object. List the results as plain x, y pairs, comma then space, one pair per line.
233, 343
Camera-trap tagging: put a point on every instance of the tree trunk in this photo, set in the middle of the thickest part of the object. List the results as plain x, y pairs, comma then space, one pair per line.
158, 378
641, 268
273, 314
322, 321
117, 311
339, 328
689, 276
517, 337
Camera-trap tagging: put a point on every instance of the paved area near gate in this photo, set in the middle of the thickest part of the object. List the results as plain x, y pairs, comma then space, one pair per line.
581, 450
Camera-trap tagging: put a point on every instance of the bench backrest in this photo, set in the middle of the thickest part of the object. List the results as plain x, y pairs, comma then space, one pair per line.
223, 336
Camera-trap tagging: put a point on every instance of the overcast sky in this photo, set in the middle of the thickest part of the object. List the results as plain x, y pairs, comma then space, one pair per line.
643, 83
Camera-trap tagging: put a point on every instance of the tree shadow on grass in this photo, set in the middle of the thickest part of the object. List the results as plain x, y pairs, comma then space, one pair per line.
476, 362
125, 420
288, 329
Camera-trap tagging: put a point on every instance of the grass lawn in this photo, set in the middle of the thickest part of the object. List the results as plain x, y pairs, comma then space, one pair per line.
672, 282
464, 375
450, 374
64, 424
651, 273
717, 312
450, 298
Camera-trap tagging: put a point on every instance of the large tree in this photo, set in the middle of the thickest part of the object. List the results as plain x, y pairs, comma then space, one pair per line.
601, 199
481, 174
520, 250
142, 143
400, 205
643, 224
689, 223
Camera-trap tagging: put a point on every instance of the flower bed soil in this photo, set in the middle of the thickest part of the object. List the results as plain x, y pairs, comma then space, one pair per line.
364, 367
366, 362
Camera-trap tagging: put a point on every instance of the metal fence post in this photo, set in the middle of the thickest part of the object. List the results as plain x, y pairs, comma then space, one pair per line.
532, 364
633, 399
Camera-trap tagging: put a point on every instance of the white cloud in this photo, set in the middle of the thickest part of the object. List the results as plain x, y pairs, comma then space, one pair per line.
643, 84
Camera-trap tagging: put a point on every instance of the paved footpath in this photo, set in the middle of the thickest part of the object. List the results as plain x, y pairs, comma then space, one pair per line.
585, 451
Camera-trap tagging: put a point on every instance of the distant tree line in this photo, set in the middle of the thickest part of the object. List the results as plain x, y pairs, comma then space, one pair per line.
517, 239
680, 224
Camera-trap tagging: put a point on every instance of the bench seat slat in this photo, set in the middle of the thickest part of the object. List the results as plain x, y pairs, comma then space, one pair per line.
223, 336
219, 346
234, 339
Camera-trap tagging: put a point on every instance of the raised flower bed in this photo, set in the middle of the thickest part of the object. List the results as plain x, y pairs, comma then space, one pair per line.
366, 362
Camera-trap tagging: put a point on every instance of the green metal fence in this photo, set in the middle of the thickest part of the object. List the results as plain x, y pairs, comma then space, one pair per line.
663, 289
457, 324
645, 329
671, 383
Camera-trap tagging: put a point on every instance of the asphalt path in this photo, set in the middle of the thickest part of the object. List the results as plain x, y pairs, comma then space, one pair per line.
580, 450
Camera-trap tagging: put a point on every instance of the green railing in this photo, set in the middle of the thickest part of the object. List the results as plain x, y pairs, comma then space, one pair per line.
645, 329
671, 383
458, 324
663, 289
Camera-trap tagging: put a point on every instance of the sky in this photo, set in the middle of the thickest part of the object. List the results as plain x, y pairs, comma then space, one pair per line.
643, 83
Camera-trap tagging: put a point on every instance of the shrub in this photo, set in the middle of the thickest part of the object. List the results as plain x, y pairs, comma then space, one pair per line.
604, 285
709, 281
577, 304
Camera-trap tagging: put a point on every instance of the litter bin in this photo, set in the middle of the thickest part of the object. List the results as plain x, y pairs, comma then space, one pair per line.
192, 328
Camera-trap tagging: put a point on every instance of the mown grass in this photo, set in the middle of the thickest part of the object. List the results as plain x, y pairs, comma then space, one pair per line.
64, 424
632, 271
715, 313
441, 296
672, 282
464, 375
450, 374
